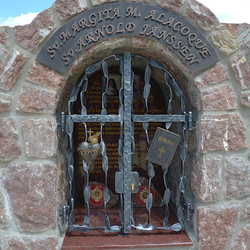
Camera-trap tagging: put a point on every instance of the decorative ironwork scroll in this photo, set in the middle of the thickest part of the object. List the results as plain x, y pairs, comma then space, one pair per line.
126, 180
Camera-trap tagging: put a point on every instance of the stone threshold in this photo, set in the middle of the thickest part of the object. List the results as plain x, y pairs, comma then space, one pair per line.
135, 240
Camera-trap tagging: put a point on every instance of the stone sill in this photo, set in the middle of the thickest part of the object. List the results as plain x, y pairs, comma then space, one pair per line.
96, 240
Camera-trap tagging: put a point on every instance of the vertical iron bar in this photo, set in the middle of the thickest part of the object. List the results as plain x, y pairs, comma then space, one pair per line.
128, 95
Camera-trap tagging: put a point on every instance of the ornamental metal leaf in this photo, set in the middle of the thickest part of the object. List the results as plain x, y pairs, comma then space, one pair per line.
69, 125
85, 84
183, 104
69, 157
121, 108
121, 215
149, 201
104, 112
146, 91
151, 172
121, 163
184, 151
156, 64
84, 111
176, 227
167, 78
147, 75
182, 184
82, 98
165, 178
132, 145
120, 146
85, 166
180, 214
105, 163
176, 87
69, 129
107, 223
71, 213
70, 173
74, 94
106, 195
167, 195
168, 125
86, 221
87, 193
170, 106
104, 100
103, 147
145, 125
165, 222
93, 67
105, 70
80, 81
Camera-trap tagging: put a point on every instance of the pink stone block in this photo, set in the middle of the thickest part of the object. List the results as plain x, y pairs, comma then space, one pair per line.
246, 215
44, 76
32, 243
216, 225
40, 137
5, 102
241, 68
218, 98
242, 240
4, 36
11, 69
174, 5
68, 8
31, 187
245, 98
206, 179
4, 218
34, 100
223, 132
30, 36
237, 177
201, 15
99, 2
9, 142
214, 75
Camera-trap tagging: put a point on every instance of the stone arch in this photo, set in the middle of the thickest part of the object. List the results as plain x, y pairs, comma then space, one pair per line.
37, 94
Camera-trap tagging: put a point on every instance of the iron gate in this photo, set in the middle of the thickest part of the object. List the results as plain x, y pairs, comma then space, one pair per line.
126, 179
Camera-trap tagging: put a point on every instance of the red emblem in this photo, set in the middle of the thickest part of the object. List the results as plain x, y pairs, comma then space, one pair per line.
142, 195
96, 195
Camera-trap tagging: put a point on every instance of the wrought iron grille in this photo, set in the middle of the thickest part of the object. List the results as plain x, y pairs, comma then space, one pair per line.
126, 145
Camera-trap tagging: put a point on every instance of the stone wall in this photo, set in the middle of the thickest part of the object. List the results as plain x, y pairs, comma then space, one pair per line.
32, 149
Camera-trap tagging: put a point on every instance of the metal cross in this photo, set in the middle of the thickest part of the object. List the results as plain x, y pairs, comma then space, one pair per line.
90, 132
162, 150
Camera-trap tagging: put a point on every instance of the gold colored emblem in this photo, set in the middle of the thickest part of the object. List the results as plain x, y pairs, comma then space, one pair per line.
144, 195
162, 150
93, 138
96, 194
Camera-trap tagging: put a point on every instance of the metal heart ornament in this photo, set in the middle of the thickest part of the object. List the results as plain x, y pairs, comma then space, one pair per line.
89, 152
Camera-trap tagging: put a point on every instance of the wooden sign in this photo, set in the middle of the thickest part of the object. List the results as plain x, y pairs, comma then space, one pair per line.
163, 147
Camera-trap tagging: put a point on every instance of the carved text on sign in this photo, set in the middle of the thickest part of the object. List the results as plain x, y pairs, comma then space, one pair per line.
127, 19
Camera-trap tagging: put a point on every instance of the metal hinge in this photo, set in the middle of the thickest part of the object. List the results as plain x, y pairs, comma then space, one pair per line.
189, 211
190, 121
62, 123
64, 212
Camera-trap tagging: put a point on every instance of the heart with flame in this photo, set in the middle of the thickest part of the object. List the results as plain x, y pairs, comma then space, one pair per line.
89, 151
